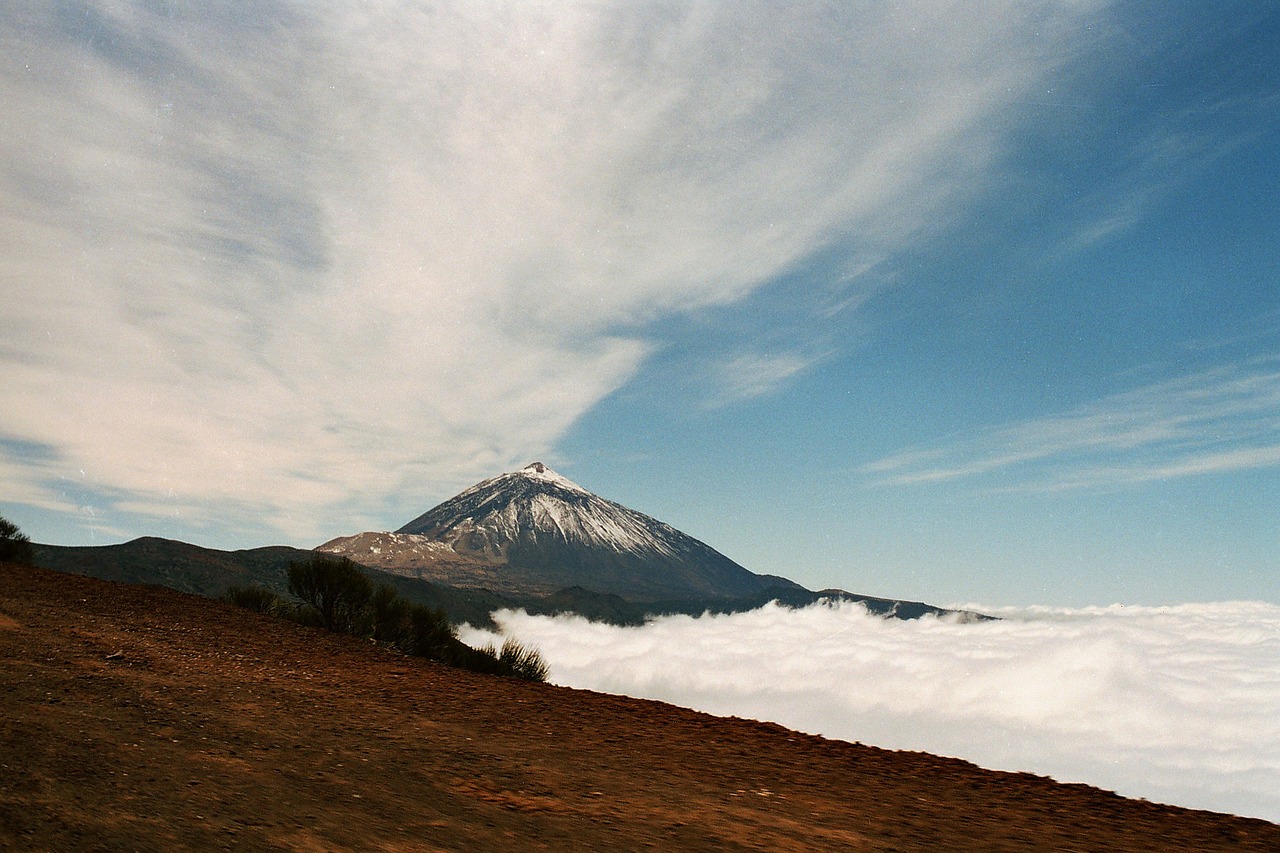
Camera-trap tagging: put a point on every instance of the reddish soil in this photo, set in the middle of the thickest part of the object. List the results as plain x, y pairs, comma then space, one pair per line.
138, 718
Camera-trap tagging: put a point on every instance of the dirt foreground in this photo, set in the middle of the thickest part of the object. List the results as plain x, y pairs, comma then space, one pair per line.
139, 718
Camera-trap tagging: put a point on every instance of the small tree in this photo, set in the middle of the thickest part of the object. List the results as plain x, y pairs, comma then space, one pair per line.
336, 589
15, 547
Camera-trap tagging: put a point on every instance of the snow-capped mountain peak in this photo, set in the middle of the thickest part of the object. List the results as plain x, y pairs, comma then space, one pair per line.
536, 504
535, 532
536, 529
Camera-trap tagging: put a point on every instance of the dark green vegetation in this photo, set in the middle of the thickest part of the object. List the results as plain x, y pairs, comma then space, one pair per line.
15, 547
334, 593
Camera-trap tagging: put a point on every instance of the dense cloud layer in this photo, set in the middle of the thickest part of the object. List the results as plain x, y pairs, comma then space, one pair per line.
1172, 704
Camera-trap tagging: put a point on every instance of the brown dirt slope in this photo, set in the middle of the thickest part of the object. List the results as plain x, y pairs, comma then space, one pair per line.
139, 718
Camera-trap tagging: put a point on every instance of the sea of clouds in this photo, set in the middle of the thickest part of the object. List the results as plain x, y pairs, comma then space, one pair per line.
1175, 704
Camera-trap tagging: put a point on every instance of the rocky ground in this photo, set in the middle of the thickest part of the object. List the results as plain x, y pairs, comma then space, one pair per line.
139, 718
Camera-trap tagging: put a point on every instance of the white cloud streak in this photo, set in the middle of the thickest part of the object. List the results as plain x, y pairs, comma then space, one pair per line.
1215, 421
1173, 704
748, 375
295, 267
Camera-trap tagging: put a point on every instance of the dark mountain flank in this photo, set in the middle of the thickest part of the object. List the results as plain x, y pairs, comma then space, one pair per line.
210, 572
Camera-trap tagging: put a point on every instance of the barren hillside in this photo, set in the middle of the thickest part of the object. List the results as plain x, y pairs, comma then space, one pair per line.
142, 718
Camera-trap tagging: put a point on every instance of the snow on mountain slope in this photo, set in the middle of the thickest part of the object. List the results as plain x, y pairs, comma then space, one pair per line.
538, 503
372, 546
547, 533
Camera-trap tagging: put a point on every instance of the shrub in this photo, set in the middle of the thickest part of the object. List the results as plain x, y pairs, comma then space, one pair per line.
390, 617
338, 596
515, 660
483, 660
430, 634
522, 661
259, 599
336, 590
15, 547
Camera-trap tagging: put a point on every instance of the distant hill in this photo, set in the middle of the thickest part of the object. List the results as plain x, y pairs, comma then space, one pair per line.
178, 565
209, 572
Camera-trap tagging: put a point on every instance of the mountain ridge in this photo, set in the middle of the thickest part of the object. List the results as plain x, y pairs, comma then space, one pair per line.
181, 566
463, 563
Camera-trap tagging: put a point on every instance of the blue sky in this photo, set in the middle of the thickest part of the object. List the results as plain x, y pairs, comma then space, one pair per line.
917, 299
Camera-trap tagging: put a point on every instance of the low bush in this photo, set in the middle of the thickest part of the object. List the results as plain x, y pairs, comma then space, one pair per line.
390, 617
259, 599
523, 662
433, 636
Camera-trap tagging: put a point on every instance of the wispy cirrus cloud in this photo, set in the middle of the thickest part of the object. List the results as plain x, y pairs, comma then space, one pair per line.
298, 266
1146, 174
1221, 420
752, 374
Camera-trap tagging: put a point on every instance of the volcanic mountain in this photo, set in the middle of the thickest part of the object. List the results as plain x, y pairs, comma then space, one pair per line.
534, 531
